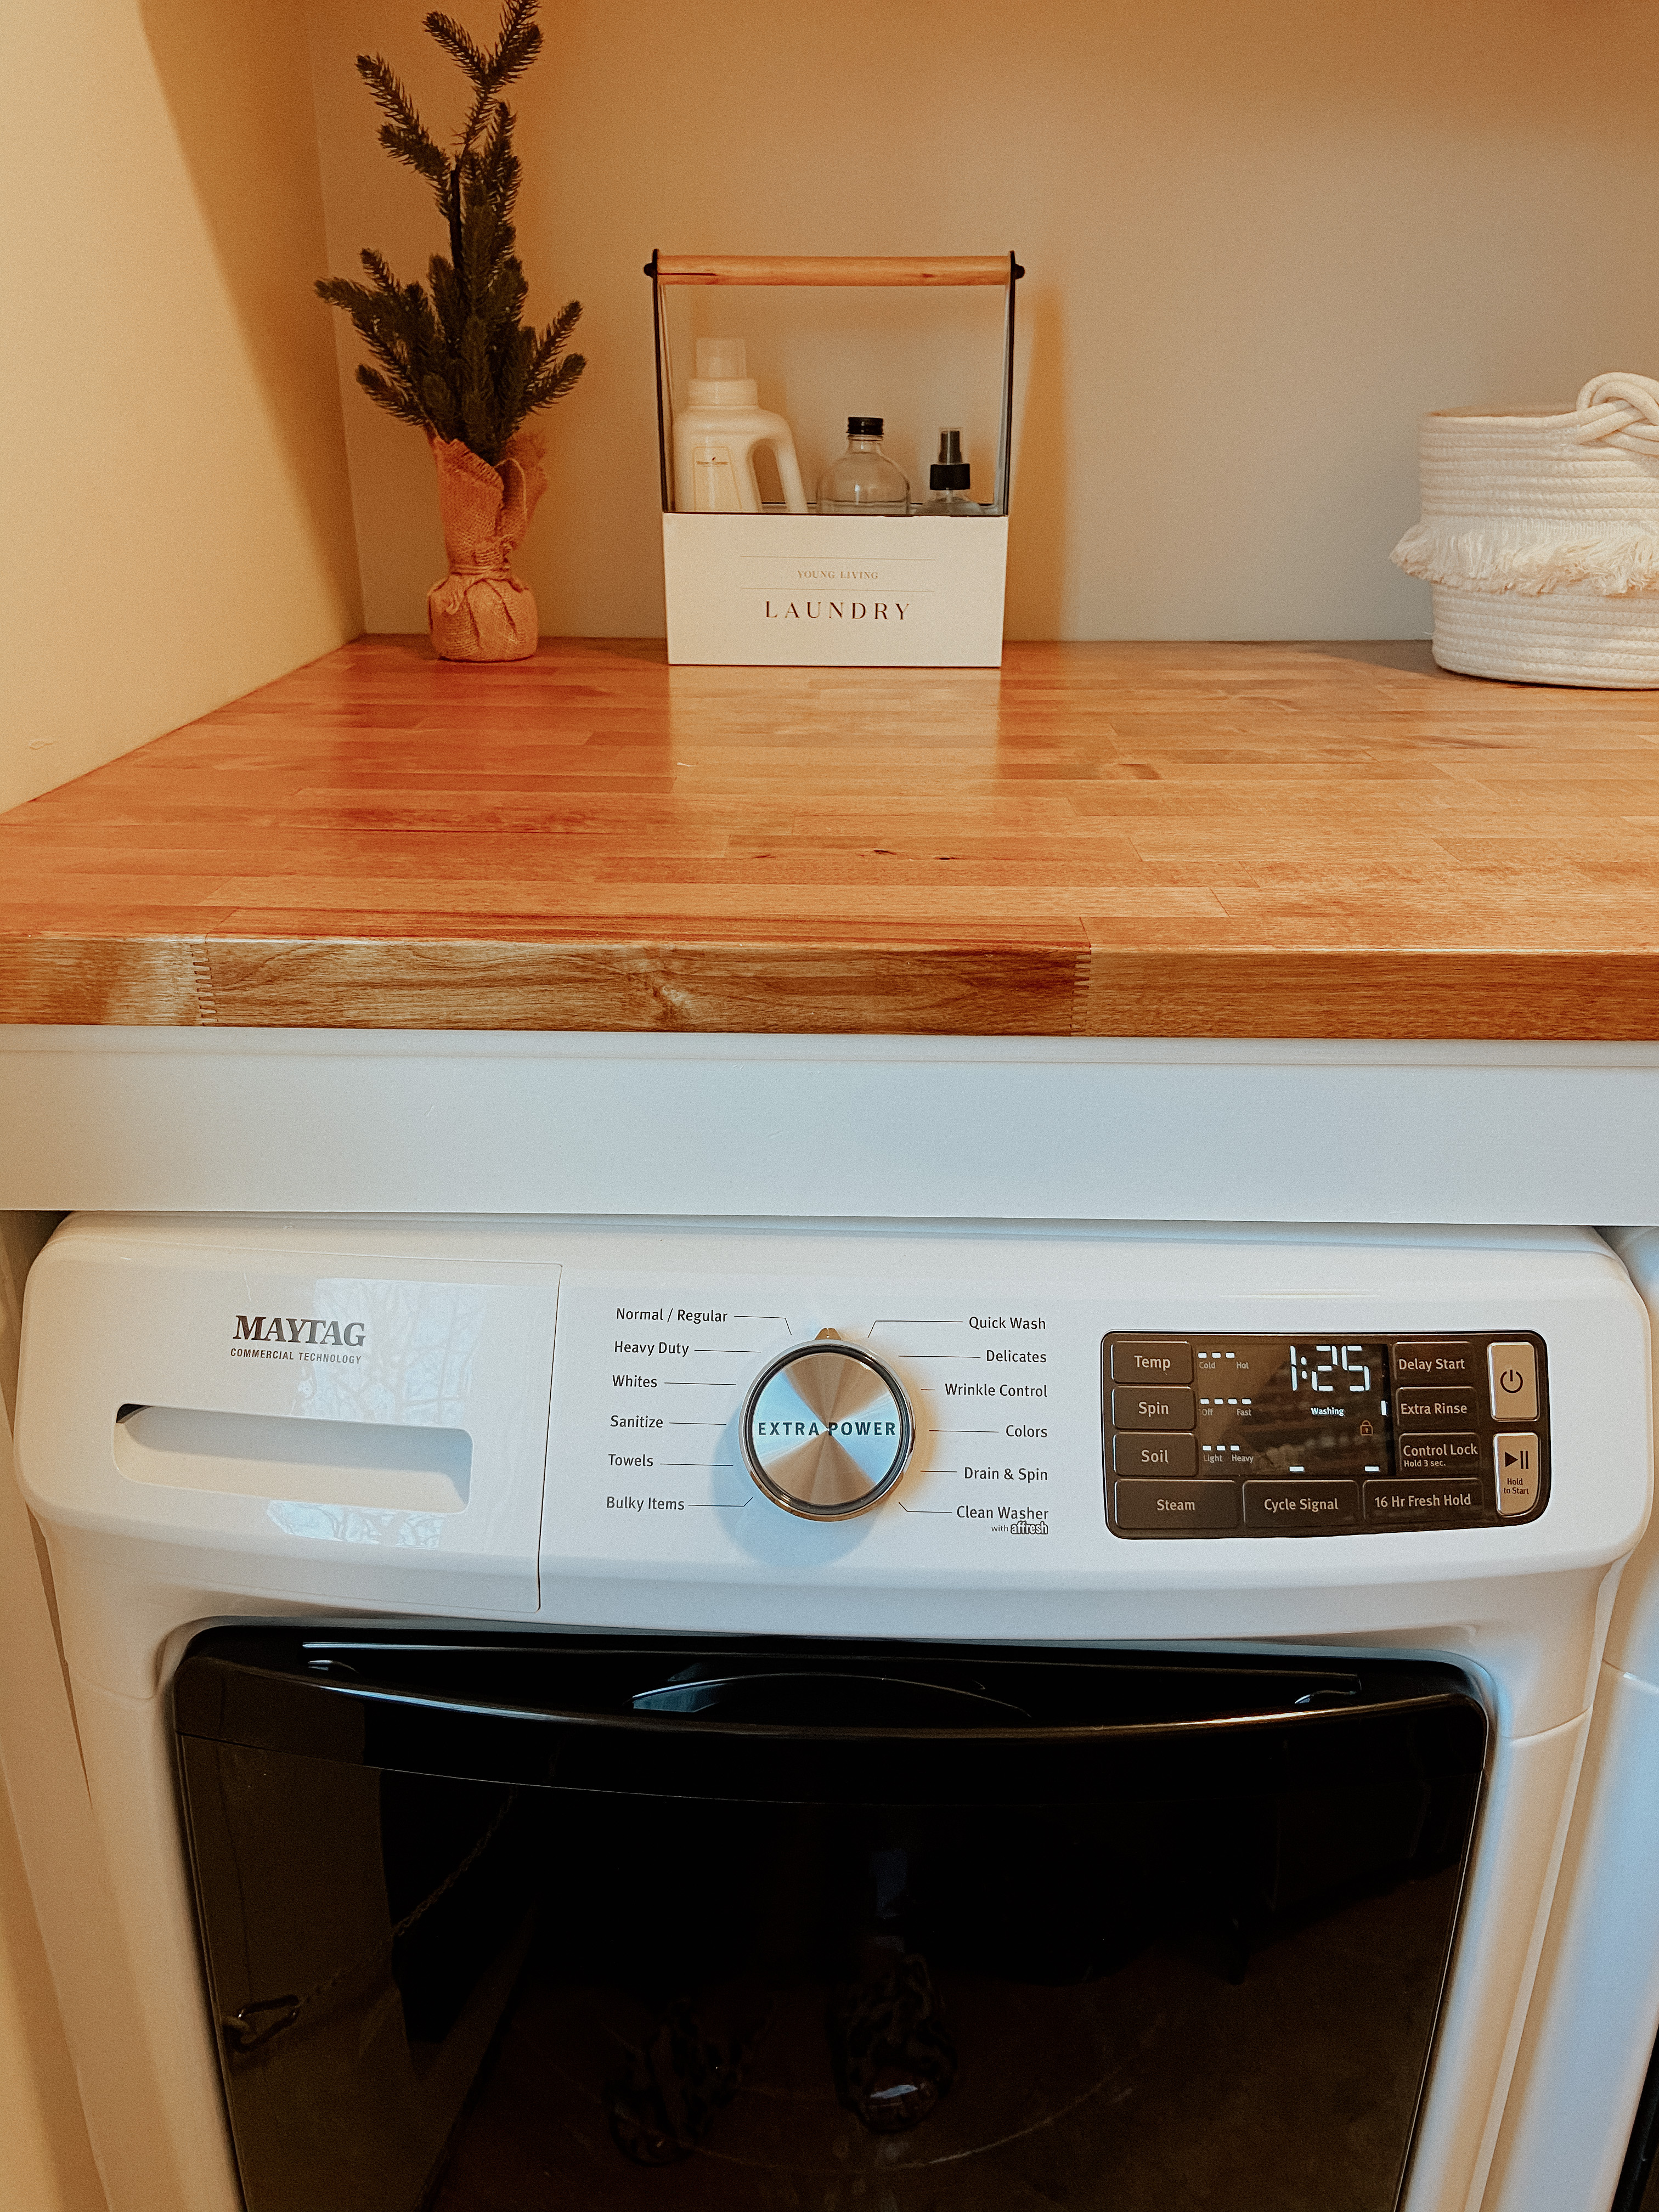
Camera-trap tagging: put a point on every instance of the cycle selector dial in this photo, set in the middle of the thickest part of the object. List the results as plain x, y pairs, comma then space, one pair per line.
827, 1430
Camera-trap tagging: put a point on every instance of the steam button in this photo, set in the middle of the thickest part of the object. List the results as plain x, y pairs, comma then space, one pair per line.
1514, 1374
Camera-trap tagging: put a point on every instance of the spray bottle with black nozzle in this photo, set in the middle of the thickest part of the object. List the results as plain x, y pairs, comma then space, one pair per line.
947, 479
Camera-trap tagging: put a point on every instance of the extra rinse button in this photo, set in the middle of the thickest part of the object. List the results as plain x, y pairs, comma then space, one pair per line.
1514, 1375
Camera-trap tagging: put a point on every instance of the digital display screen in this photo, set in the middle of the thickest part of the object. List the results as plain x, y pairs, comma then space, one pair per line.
1290, 1406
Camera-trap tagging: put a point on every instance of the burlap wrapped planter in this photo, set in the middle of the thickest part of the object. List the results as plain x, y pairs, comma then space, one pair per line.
1541, 535
481, 611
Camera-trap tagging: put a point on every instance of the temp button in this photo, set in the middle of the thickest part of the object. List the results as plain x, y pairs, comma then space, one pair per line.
1162, 1359
1513, 1371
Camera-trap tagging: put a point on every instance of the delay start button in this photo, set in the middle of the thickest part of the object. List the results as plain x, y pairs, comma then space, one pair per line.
1438, 1362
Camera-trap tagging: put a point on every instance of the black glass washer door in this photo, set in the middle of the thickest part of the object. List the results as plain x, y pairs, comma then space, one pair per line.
498, 1922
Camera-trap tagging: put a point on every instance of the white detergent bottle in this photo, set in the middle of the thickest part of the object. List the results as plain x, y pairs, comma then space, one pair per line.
716, 435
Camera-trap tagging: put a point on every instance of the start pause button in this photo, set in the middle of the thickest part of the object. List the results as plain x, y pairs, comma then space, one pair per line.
1516, 1468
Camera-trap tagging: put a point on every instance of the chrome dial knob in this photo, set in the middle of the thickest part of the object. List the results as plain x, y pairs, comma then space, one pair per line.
827, 1430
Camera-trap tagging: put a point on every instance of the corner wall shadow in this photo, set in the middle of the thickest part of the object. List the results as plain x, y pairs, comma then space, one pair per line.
236, 77
1036, 511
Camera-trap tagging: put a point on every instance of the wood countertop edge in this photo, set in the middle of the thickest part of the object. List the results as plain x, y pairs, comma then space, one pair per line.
1154, 839
868, 981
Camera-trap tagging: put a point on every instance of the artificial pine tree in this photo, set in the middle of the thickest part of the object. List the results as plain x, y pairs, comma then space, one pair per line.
456, 359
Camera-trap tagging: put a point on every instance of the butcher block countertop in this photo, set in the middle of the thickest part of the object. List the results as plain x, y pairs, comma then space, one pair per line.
1224, 841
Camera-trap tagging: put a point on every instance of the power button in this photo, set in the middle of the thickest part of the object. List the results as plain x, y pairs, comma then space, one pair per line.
1514, 1373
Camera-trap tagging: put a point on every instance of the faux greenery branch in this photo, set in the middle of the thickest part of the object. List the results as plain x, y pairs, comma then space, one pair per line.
455, 359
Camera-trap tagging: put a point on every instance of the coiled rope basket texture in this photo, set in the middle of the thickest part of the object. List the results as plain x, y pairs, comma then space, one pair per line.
1541, 535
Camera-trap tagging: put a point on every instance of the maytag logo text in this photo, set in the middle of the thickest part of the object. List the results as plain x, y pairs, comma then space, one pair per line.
294, 1328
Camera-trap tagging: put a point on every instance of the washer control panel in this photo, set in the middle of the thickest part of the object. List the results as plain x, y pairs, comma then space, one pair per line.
701, 1419
1239, 1435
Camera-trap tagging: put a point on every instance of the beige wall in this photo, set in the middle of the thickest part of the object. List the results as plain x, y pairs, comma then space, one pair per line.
177, 518
1261, 240
45, 2160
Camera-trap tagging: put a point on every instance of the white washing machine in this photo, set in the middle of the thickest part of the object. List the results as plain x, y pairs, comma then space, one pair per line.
1583, 2128
590, 1713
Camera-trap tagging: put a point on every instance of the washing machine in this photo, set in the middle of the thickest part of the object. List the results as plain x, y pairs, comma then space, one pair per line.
664, 1713
1583, 2124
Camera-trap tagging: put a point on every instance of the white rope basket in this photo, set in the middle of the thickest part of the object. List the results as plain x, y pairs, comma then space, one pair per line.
1541, 535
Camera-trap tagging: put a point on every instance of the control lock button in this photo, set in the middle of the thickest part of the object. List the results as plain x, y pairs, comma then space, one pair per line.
1514, 1377
1161, 1359
1176, 1509
1152, 1409
1154, 1452
1437, 1455
1516, 1462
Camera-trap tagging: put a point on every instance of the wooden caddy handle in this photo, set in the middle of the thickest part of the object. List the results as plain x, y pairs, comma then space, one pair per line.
834, 269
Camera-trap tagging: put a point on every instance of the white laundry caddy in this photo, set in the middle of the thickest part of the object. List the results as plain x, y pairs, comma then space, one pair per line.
774, 589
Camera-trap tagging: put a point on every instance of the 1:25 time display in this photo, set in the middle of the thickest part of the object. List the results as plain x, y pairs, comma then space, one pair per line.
1279, 1406
1333, 1368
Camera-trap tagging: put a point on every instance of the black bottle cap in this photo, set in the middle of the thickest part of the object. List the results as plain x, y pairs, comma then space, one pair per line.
949, 472
864, 426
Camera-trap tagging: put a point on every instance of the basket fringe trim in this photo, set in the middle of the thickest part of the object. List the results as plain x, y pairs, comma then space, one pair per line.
1499, 558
